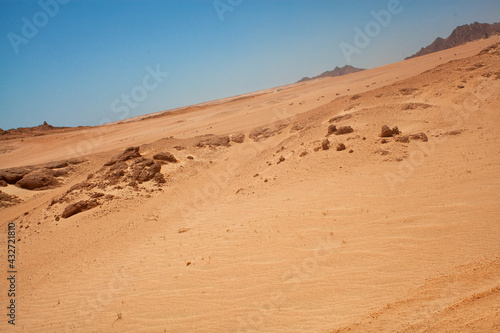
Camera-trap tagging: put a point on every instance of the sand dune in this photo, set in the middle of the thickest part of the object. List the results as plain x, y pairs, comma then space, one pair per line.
276, 234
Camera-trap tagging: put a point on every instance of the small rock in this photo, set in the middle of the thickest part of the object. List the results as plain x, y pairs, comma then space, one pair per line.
344, 130
395, 130
340, 147
383, 141
332, 129
78, 207
325, 145
304, 153
386, 132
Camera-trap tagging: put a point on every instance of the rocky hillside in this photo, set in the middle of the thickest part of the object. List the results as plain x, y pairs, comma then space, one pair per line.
461, 35
336, 72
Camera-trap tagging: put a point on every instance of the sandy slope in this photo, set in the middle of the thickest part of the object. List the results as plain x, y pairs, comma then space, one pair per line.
391, 237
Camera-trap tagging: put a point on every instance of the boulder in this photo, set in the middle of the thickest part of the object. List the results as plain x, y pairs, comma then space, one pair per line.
12, 175
38, 180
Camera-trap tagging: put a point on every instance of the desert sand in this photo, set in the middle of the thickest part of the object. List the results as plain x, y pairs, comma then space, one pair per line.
275, 233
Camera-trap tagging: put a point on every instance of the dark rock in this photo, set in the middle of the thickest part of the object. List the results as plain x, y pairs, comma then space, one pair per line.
128, 154
3, 183
12, 175
395, 130
56, 165
419, 136
304, 153
325, 145
79, 207
340, 147
179, 148
331, 129
403, 139
344, 130
282, 159
166, 156
159, 178
386, 132
190, 157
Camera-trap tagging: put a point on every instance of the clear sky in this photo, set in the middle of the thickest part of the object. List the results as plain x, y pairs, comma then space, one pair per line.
85, 62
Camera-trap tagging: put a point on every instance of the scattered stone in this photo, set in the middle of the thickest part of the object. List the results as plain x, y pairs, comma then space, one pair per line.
262, 133
455, 132
38, 180
331, 129
7, 200
317, 148
395, 130
403, 139
214, 141
282, 159
460, 86
325, 145
414, 106
344, 130
237, 138
179, 148
419, 136
382, 152
408, 91
386, 132
78, 207
159, 178
128, 154
355, 97
183, 230
304, 153
190, 157
166, 156
383, 141
340, 147
3, 183
97, 195
351, 151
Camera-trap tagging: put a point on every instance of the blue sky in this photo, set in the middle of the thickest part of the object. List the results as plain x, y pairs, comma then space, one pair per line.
86, 57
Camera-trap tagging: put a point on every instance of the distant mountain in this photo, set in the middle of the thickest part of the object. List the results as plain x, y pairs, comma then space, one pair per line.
336, 72
461, 35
